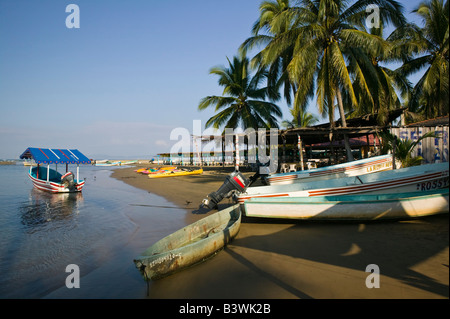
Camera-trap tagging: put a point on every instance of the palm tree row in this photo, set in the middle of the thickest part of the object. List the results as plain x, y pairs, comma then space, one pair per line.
324, 49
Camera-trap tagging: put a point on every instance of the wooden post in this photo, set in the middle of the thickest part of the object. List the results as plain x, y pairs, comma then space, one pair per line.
198, 154
300, 151
237, 153
394, 149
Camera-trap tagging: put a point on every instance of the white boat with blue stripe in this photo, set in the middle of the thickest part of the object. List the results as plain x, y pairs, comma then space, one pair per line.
354, 168
410, 179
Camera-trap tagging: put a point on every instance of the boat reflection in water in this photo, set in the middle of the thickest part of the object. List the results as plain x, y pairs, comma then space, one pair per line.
43, 207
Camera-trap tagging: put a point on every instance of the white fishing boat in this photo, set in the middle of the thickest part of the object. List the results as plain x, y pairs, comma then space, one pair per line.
47, 179
409, 179
354, 168
351, 207
107, 163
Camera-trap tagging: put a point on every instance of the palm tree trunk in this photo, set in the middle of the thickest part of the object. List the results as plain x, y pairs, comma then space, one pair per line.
344, 124
333, 158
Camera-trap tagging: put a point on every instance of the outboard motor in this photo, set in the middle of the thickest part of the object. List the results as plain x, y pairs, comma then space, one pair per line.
68, 180
236, 182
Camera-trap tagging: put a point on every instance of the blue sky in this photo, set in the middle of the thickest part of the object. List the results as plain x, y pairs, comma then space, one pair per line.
134, 71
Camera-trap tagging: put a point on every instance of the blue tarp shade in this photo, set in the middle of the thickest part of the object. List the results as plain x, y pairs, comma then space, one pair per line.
55, 156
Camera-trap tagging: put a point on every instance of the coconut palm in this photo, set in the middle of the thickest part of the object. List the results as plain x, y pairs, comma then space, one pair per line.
430, 45
379, 89
272, 22
320, 34
404, 148
243, 102
300, 118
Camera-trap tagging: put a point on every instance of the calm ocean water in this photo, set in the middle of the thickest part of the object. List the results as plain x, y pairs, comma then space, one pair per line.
42, 233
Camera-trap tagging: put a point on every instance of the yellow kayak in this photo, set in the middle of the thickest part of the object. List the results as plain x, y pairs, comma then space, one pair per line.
176, 173
148, 170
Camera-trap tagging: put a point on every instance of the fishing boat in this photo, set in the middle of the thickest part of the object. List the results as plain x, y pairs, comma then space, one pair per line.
354, 168
410, 179
190, 245
107, 163
351, 207
47, 179
174, 173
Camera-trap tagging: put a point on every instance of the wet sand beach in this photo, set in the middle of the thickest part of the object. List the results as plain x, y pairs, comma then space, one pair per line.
302, 259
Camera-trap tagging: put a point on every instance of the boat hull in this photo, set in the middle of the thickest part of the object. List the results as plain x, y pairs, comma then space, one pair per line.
355, 168
411, 179
351, 207
54, 187
190, 245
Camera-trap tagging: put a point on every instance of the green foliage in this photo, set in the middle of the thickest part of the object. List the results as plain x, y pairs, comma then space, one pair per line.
323, 49
427, 49
300, 118
403, 148
243, 102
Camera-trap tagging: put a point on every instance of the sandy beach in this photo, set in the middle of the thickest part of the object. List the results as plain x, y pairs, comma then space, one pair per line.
278, 259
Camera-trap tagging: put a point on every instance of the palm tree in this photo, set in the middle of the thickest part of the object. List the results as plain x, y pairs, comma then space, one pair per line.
404, 148
320, 34
272, 22
243, 102
300, 118
431, 51
378, 87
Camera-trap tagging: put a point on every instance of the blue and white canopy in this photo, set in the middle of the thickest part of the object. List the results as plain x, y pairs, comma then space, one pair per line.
55, 156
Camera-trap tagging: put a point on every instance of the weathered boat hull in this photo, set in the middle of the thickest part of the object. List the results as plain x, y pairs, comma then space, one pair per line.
410, 179
190, 245
355, 168
351, 207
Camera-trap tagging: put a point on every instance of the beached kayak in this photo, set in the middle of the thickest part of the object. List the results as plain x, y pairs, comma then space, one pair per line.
176, 173
190, 245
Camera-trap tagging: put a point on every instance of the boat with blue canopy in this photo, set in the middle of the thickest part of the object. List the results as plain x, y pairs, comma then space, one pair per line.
47, 179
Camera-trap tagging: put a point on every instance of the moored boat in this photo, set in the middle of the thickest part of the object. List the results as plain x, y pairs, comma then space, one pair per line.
107, 163
47, 179
354, 168
351, 207
416, 178
190, 245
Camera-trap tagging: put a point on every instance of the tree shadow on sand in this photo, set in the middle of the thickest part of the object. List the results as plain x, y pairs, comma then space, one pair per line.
395, 246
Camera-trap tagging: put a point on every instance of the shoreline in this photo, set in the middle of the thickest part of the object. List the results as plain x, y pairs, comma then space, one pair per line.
278, 259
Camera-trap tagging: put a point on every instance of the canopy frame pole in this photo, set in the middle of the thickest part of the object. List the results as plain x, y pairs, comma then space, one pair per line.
78, 173
48, 173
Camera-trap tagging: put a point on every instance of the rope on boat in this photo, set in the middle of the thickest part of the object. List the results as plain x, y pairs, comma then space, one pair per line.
159, 206
142, 270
